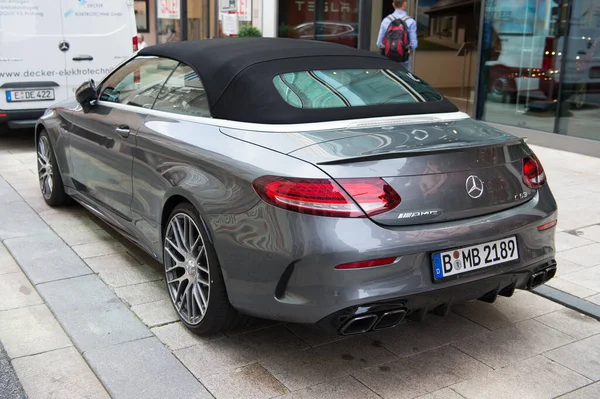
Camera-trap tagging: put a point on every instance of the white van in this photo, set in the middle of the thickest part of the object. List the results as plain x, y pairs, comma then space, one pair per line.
49, 47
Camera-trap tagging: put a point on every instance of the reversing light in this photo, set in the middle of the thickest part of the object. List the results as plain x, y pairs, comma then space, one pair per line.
366, 263
547, 226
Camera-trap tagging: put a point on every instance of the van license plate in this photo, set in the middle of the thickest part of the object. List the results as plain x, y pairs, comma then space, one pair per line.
29, 95
464, 260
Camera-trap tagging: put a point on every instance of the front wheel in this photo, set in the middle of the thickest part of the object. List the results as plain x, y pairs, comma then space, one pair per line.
51, 183
193, 275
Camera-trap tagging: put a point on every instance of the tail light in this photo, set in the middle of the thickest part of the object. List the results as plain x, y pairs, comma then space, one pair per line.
323, 197
533, 172
135, 44
366, 263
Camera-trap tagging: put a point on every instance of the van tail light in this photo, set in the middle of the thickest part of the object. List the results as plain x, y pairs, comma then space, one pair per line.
351, 198
135, 44
533, 172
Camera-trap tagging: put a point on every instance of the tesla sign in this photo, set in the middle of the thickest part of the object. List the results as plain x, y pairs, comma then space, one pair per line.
168, 9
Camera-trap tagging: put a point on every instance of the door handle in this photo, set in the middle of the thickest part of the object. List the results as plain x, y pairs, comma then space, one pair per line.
83, 58
123, 131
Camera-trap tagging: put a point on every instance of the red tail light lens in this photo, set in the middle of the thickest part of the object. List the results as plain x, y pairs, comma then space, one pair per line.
547, 226
324, 197
533, 172
135, 44
366, 263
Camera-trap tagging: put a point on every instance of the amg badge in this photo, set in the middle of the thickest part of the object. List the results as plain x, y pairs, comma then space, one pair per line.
418, 214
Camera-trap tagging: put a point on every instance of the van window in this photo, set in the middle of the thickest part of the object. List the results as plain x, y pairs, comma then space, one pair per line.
138, 82
183, 94
352, 88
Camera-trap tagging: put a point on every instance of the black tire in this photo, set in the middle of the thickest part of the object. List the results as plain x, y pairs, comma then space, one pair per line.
56, 196
219, 316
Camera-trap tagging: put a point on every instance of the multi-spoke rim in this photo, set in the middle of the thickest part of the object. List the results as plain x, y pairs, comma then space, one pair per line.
187, 270
45, 167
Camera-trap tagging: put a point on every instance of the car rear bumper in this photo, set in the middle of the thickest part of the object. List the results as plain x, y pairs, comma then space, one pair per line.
16, 119
283, 268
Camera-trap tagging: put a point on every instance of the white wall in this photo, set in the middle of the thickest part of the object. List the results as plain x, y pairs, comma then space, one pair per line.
270, 10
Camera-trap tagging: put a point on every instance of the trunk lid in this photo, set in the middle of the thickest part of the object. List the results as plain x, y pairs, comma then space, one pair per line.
443, 171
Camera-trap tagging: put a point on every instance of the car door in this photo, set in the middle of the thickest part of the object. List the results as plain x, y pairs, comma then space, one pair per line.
102, 139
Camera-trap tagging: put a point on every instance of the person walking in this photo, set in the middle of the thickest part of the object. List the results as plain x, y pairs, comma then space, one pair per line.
397, 38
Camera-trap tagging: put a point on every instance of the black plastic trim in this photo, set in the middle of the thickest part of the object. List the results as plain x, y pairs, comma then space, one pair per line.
29, 85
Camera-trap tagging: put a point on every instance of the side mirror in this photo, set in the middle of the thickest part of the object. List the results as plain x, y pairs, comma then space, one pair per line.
86, 94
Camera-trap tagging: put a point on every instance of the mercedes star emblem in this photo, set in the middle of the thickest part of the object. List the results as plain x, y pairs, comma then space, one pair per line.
474, 186
63, 46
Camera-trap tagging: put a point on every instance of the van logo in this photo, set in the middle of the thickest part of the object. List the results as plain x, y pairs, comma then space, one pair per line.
474, 186
63, 46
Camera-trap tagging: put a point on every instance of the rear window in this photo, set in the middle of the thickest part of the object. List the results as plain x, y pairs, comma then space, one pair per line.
352, 88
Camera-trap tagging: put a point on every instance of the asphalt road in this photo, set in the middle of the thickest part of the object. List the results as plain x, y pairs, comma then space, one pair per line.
10, 387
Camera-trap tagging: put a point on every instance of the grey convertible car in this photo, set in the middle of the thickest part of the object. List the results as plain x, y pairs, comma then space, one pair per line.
300, 181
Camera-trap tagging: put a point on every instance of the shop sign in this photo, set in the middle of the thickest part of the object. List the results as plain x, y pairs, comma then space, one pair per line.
245, 10
329, 6
169, 9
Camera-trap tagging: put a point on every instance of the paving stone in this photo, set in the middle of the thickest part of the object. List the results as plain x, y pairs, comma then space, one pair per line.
511, 344
571, 322
39, 205
521, 306
156, 313
7, 193
594, 299
16, 211
445, 393
74, 238
99, 248
143, 369
58, 374
138, 294
121, 269
176, 336
532, 378
22, 228
322, 363
414, 337
590, 233
7, 263
31, 330
569, 287
581, 356
591, 391
566, 241
234, 352
566, 267
253, 324
83, 223
588, 278
251, 382
16, 292
46, 257
585, 256
341, 388
313, 335
419, 374
90, 313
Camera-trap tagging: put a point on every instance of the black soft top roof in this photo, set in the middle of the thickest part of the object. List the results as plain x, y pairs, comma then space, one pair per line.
237, 74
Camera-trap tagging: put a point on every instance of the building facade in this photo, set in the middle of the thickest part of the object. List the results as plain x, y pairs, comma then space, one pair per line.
532, 64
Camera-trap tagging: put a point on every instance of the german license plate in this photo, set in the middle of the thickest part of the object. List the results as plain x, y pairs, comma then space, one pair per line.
464, 260
29, 95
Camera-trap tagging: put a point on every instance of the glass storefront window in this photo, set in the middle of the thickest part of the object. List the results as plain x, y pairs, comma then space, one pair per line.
580, 76
521, 61
334, 21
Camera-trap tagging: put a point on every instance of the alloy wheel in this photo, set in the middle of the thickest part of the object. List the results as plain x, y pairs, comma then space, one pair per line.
186, 268
45, 172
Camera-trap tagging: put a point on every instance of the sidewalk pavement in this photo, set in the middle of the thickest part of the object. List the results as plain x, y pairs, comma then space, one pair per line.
84, 313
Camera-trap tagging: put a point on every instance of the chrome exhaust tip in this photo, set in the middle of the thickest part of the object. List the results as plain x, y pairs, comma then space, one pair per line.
537, 279
549, 273
390, 319
359, 325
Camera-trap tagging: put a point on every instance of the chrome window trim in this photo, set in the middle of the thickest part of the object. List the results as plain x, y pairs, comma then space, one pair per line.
295, 128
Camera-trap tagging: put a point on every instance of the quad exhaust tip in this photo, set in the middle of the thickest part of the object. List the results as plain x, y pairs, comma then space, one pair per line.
373, 321
542, 276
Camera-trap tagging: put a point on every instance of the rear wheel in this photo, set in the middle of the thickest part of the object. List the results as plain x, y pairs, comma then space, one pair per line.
193, 275
51, 183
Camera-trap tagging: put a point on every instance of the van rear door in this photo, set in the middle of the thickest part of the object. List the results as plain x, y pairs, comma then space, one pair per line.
100, 36
32, 64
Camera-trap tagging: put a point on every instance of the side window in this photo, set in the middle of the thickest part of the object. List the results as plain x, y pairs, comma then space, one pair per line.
183, 94
138, 82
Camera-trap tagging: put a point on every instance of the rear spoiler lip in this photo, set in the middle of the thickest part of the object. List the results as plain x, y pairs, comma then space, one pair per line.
414, 153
